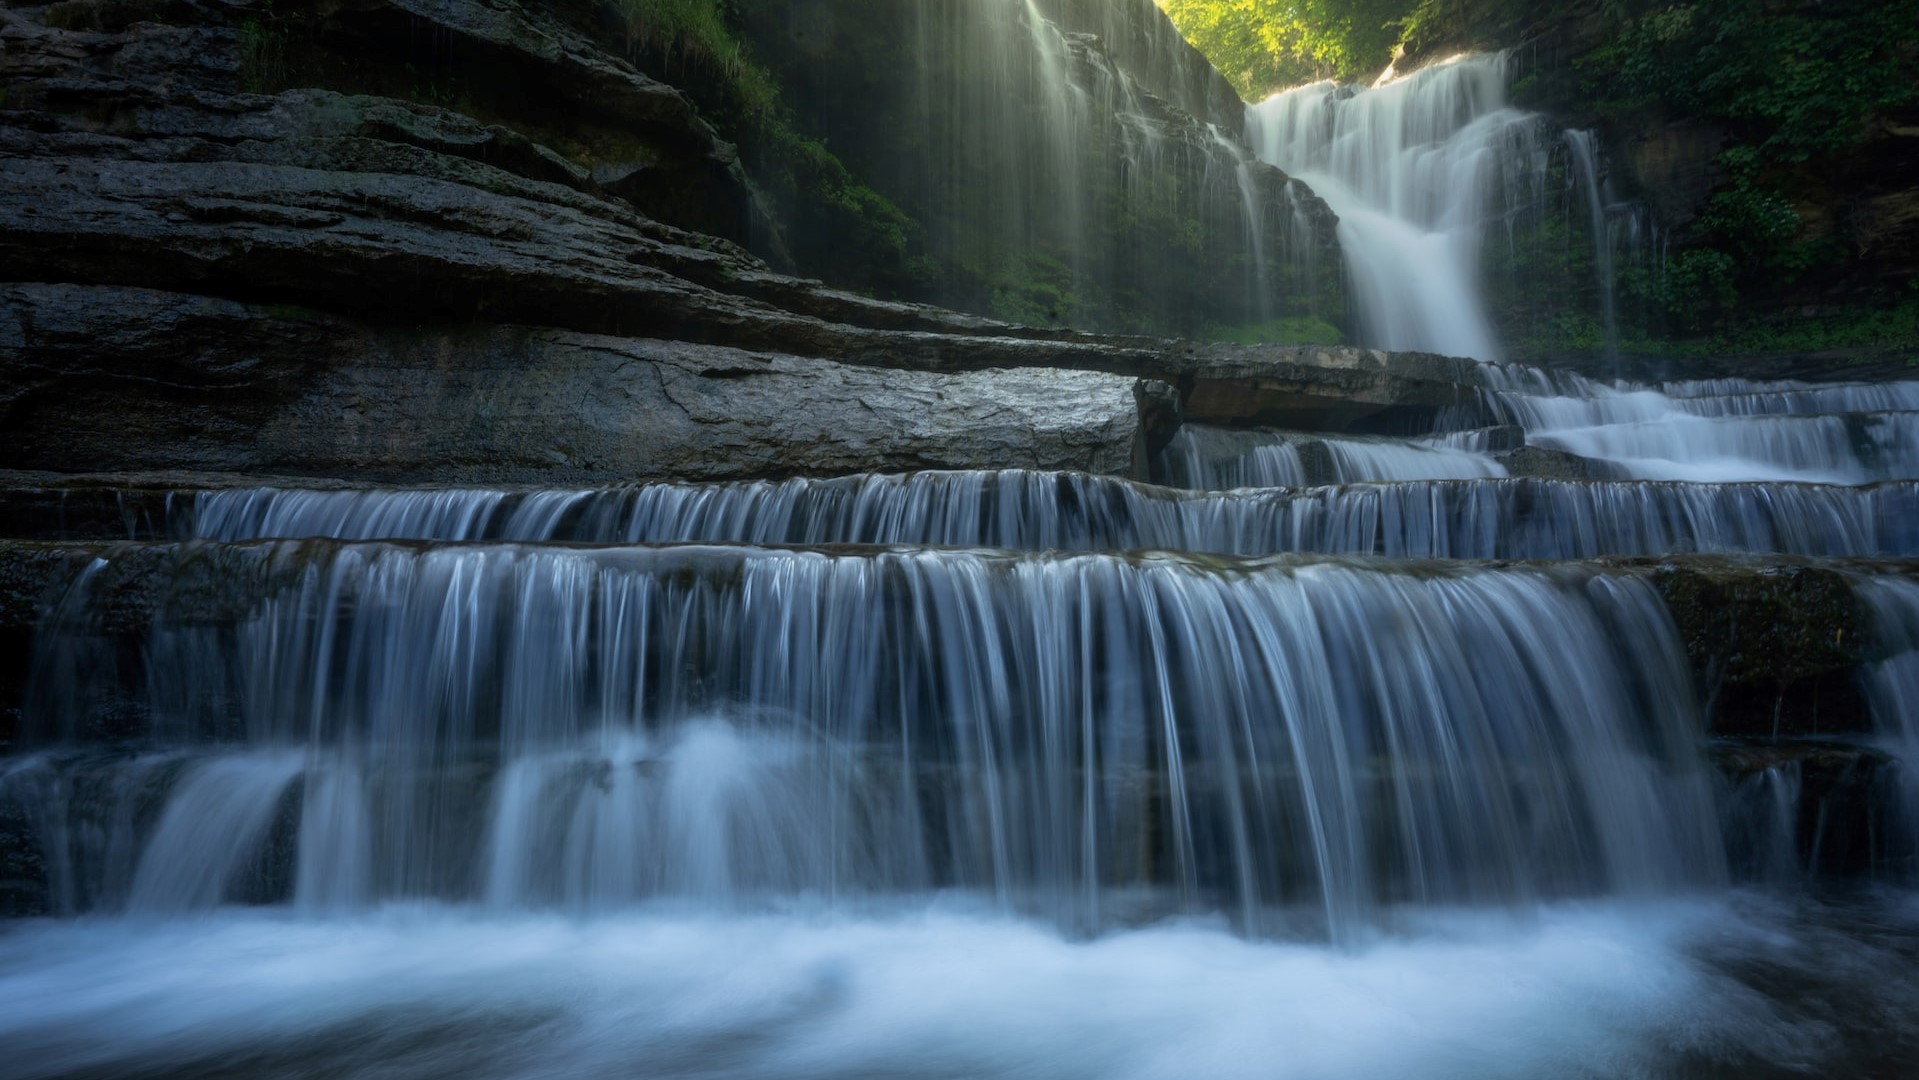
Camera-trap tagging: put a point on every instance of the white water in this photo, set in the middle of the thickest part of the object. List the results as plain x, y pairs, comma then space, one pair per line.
935, 989
1417, 170
1215, 459
1720, 430
1519, 519
1039, 123
1293, 745
1583, 148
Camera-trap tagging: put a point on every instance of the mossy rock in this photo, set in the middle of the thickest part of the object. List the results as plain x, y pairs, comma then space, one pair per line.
1774, 649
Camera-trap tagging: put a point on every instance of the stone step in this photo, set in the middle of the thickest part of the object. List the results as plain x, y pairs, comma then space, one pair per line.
1775, 645
1490, 518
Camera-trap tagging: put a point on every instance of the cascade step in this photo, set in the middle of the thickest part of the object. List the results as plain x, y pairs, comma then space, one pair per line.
1212, 459
1811, 808
1484, 519
1774, 646
1237, 732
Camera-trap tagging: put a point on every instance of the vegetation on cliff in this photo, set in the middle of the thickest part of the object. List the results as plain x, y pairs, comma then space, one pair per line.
829, 222
1800, 92
1269, 45
1772, 143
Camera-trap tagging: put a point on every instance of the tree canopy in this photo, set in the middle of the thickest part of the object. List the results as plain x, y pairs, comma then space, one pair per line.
1268, 45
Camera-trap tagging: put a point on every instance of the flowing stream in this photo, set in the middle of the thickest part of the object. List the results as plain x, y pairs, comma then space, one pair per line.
1330, 754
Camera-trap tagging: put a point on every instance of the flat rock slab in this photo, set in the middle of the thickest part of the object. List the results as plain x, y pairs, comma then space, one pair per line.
118, 379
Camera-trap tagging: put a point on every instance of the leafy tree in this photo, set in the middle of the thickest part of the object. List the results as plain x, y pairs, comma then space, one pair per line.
1268, 45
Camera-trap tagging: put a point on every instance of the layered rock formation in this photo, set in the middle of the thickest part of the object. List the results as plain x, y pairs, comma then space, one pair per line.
1071, 163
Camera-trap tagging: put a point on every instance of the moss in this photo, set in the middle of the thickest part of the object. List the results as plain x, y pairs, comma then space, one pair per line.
1774, 650
1869, 333
1035, 289
1297, 330
262, 43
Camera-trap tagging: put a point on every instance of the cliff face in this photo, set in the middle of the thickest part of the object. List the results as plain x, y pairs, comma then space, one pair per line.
439, 241
1069, 162
341, 276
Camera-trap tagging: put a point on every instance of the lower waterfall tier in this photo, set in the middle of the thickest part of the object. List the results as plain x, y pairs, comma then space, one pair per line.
1295, 744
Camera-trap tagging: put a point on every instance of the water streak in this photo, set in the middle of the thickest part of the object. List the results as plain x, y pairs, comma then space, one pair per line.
1512, 518
1416, 169
1291, 744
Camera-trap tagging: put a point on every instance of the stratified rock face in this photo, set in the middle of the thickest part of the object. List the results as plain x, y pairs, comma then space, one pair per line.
114, 378
1142, 40
208, 277
1072, 163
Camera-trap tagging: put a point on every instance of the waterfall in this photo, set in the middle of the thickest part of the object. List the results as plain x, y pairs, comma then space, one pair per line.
1583, 148
1892, 683
1718, 430
509, 781
1417, 169
1489, 721
591, 727
1214, 458
1490, 519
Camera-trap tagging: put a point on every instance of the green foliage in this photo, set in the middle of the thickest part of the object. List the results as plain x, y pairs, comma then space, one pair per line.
1796, 88
1691, 290
1034, 290
1295, 330
1268, 45
847, 231
1891, 328
262, 45
699, 34
1797, 81
836, 225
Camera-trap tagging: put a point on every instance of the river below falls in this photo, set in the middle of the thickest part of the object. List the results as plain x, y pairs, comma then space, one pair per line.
1731, 984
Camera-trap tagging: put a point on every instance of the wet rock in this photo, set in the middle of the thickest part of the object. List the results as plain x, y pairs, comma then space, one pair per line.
131, 156
1541, 463
1317, 387
1832, 808
23, 865
105, 379
1774, 648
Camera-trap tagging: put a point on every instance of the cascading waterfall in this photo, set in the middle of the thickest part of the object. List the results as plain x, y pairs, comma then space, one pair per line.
504, 782
1331, 755
1215, 458
1717, 430
1892, 683
592, 727
1583, 149
1417, 169
1495, 519
1513, 518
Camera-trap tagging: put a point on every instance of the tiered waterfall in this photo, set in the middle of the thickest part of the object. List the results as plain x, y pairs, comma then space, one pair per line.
1533, 744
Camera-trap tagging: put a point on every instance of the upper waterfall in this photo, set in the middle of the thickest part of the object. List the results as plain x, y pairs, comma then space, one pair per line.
1417, 169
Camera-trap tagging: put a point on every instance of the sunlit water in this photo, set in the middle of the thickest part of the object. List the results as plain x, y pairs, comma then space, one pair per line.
1733, 986
1417, 171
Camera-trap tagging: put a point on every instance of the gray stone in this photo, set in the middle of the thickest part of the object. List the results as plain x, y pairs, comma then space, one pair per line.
112, 378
